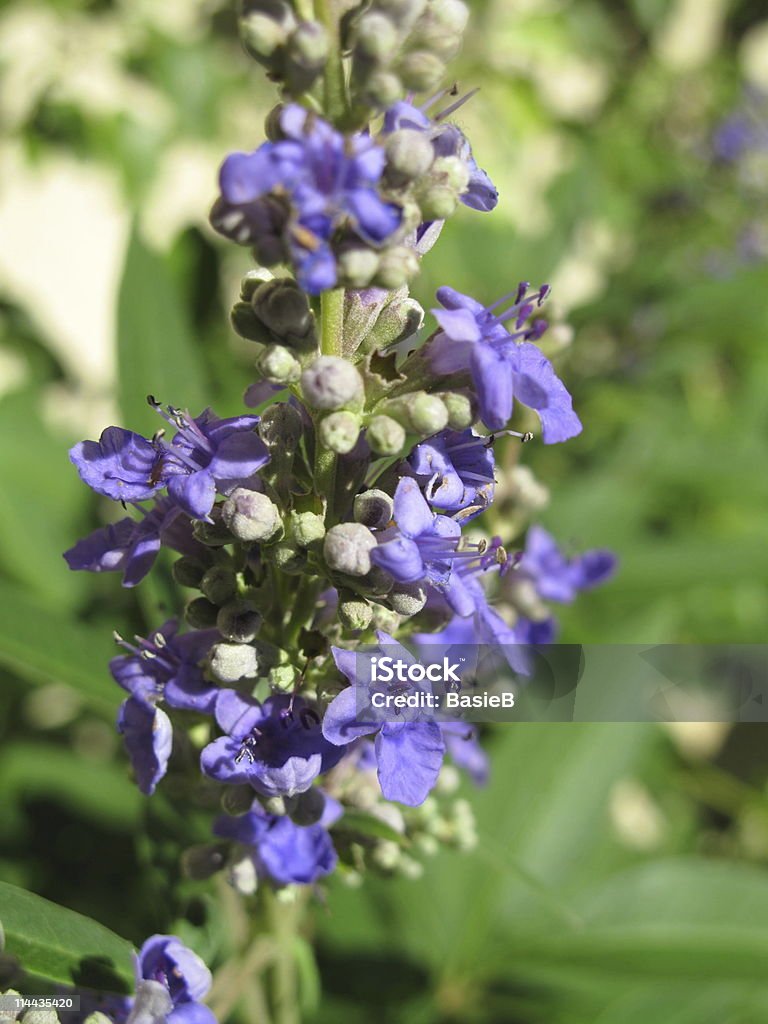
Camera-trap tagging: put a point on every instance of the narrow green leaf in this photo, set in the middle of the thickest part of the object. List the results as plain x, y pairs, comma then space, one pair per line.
43, 646
62, 946
156, 353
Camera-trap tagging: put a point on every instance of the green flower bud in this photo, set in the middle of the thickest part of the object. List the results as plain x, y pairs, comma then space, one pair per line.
354, 613
263, 35
187, 572
385, 435
421, 70
357, 265
307, 528
387, 855
376, 37
331, 382
229, 663
409, 155
402, 10
340, 432
396, 266
97, 1018
247, 324
277, 805
252, 280
243, 877
461, 413
383, 88
283, 678
451, 171
288, 558
213, 535
283, 307
376, 583
309, 807
373, 509
278, 365
280, 426
237, 800
308, 46
438, 202
238, 621
204, 860
399, 319
219, 584
201, 614
407, 598
347, 548
427, 413
269, 250
385, 619
250, 516
451, 15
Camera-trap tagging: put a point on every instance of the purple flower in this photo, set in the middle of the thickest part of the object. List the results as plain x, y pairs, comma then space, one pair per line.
164, 961
206, 455
447, 140
457, 468
148, 739
504, 367
277, 747
129, 546
409, 753
556, 577
168, 667
323, 181
462, 744
283, 851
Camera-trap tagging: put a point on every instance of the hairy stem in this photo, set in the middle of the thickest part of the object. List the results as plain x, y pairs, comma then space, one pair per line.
335, 97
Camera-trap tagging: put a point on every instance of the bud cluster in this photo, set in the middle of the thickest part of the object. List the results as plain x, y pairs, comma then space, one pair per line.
293, 50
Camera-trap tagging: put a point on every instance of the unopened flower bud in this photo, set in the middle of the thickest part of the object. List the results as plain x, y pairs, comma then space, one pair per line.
219, 584
421, 70
213, 535
283, 307
406, 11
97, 1018
357, 265
187, 572
347, 548
288, 558
307, 528
396, 266
204, 860
452, 171
201, 613
237, 800
373, 509
231, 662
262, 34
279, 366
383, 88
283, 678
331, 382
385, 435
250, 516
354, 613
308, 46
309, 807
461, 413
438, 202
427, 414
280, 426
238, 621
39, 1017
407, 598
384, 619
277, 805
243, 877
398, 320
247, 324
409, 154
252, 281
386, 855
376, 37
340, 432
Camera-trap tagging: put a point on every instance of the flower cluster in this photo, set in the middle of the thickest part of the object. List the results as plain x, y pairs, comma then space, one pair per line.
354, 510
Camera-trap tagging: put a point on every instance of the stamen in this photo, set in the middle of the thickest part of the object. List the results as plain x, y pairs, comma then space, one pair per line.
459, 103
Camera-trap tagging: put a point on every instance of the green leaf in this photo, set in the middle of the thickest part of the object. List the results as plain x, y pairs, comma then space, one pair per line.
61, 946
156, 352
43, 646
368, 825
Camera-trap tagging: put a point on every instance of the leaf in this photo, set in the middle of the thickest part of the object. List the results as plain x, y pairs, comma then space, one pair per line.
62, 946
368, 825
44, 646
156, 353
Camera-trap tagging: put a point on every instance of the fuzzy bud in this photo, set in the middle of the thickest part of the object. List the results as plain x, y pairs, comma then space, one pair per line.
307, 528
308, 48
373, 509
252, 280
288, 558
308, 808
461, 413
282, 307
231, 662
407, 598
278, 365
243, 877
385, 435
213, 535
398, 320
187, 572
250, 516
383, 88
263, 35
247, 324
283, 678
427, 413
347, 548
354, 613
280, 426
376, 38
340, 432
409, 155
219, 584
238, 621
237, 800
331, 382
385, 619
396, 266
357, 265
201, 613
421, 70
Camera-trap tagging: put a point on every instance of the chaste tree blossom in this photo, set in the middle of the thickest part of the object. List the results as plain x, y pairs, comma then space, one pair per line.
353, 510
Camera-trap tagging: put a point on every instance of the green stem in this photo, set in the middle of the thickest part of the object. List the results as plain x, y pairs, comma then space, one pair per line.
335, 97
284, 919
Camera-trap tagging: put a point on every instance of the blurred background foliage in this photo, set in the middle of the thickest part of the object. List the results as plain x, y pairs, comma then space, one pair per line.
620, 875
